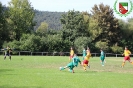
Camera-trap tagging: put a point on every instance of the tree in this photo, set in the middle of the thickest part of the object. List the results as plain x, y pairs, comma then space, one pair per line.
103, 15
94, 30
30, 42
82, 42
43, 28
4, 33
73, 23
116, 49
126, 33
102, 45
21, 14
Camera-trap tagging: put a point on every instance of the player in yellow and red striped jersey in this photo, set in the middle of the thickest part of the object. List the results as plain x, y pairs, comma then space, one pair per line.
126, 56
85, 62
71, 54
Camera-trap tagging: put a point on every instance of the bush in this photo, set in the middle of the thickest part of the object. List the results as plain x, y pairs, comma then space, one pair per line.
82, 42
102, 45
116, 49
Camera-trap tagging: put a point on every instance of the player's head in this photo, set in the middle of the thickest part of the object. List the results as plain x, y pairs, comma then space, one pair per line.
75, 54
71, 48
101, 50
126, 48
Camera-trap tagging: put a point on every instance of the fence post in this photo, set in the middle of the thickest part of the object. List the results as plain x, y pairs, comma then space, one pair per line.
31, 54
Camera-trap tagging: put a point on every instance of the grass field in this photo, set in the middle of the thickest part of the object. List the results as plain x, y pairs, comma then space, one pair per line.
43, 72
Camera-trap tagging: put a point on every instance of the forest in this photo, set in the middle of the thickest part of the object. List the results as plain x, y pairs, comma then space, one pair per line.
26, 29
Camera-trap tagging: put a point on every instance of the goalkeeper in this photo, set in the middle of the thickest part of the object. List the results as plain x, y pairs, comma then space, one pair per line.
72, 64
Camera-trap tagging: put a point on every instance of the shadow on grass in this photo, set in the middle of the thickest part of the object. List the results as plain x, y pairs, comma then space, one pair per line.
8, 86
5, 70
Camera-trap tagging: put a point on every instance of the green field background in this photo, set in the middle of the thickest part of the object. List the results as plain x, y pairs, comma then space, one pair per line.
43, 72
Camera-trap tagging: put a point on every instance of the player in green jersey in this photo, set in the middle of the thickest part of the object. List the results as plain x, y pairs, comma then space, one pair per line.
72, 64
102, 57
84, 53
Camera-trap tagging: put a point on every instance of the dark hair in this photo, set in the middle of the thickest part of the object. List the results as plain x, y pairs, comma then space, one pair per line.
126, 47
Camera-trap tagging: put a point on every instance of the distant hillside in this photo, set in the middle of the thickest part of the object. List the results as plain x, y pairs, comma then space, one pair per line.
52, 18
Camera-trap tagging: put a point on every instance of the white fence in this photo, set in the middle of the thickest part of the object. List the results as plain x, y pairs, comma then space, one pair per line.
28, 53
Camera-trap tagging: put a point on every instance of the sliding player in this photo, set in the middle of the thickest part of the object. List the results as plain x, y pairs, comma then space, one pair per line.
126, 55
86, 60
7, 52
71, 54
72, 64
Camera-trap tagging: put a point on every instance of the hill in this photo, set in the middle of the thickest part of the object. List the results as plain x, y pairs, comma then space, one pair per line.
52, 18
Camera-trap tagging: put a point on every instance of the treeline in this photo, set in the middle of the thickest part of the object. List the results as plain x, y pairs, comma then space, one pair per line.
51, 18
22, 28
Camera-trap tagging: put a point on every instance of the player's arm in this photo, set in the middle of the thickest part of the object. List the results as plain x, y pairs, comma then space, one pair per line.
1, 49
4, 49
123, 53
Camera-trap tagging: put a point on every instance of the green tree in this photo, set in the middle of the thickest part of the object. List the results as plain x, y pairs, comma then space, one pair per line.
30, 43
73, 23
109, 25
102, 45
43, 28
126, 33
82, 42
94, 30
116, 49
4, 33
21, 15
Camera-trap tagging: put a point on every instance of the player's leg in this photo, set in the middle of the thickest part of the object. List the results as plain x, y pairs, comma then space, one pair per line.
62, 68
5, 55
9, 56
84, 67
124, 60
68, 66
88, 65
102, 60
70, 58
85, 63
130, 60
123, 63
71, 69
83, 57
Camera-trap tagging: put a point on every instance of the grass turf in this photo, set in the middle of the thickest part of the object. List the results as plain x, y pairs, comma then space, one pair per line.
43, 72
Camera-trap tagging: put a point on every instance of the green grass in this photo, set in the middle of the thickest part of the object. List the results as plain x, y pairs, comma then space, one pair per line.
43, 72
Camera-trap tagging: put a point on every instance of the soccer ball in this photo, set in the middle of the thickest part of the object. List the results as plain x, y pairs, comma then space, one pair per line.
60, 68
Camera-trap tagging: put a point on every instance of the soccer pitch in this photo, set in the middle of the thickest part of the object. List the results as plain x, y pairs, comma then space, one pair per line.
43, 72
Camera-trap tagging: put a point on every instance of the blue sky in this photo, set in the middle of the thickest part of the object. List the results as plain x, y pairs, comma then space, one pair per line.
66, 5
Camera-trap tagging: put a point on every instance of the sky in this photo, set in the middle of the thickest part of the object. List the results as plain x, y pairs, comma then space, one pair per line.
77, 5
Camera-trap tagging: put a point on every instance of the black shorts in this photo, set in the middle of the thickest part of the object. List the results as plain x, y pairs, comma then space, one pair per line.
7, 54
